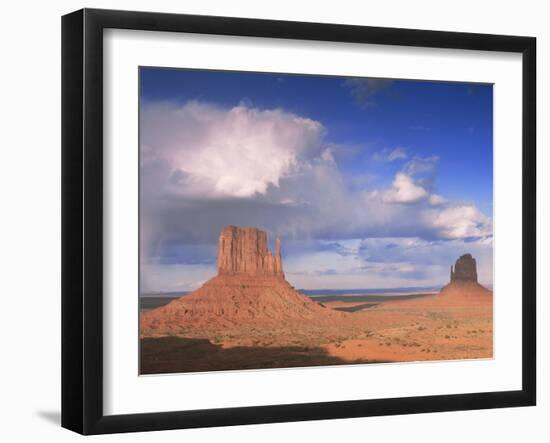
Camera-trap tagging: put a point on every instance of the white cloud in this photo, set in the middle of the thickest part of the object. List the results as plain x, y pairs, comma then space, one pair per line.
465, 221
383, 262
431, 258
396, 154
328, 156
174, 278
436, 200
420, 165
204, 167
237, 152
404, 190
390, 155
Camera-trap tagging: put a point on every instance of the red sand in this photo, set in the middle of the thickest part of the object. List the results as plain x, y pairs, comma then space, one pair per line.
237, 323
227, 301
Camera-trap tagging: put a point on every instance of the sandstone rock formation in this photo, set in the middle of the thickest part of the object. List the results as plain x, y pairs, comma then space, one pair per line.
249, 294
465, 269
464, 289
244, 251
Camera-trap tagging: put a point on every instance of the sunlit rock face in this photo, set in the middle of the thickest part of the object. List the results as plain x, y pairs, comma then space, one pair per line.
244, 251
250, 290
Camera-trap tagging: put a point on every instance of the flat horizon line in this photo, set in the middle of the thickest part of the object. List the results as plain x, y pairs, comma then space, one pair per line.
321, 291
351, 291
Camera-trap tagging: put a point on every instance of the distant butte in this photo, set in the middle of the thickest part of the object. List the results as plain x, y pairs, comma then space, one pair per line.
465, 269
464, 284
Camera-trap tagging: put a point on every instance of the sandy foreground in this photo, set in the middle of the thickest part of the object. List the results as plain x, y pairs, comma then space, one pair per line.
454, 324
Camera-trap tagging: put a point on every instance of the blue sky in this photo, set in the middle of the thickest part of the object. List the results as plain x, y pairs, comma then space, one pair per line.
368, 182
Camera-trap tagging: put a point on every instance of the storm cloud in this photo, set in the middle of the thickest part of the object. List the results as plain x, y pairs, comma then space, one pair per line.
203, 167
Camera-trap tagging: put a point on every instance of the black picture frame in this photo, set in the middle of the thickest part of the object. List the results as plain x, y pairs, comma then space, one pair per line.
82, 220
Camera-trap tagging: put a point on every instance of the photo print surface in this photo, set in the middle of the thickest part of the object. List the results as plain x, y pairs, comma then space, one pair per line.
301, 220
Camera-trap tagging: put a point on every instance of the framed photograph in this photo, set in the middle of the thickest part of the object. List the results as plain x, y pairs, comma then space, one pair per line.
269, 221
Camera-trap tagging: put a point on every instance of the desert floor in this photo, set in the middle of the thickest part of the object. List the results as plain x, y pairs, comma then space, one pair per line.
394, 331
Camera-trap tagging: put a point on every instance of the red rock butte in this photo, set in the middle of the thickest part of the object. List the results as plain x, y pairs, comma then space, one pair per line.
465, 269
464, 284
463, 289
250, 290
244, 251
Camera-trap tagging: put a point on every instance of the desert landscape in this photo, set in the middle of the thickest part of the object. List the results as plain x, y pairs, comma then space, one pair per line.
250, 317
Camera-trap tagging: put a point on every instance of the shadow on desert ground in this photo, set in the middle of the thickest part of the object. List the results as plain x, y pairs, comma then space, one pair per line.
177, 354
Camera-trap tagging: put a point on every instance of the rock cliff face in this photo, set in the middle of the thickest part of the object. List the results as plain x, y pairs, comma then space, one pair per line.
244, 251
463, 289
465, 269
250, 290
